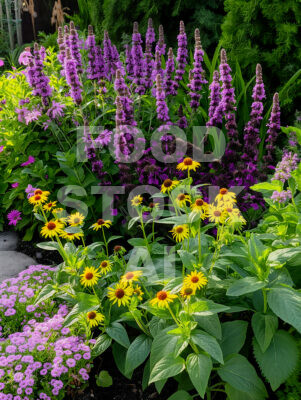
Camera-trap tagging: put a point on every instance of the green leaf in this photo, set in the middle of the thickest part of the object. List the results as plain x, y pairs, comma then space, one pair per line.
160, 385
163, 344
180, 395
49, 246
233, 336
103, 342
264, 326
245, 285
235, 394
207, 307
286, 304
47, 292
239, 373
208, 343
264, 187
137, 352
199, 367
104, 379
117, 332
119, 354
279, 360
167, 367
210, 324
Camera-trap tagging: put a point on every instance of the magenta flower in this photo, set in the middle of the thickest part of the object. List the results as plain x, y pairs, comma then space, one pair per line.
14, 217
30, 160
1, 63
30, 191
25, 56
15, 185
1, 149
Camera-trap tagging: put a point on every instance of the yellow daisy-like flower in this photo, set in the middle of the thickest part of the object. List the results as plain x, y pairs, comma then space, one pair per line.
131, 276
182, 199
168, 185
52, 228
94, 318
101, 223
216, 214
105, 267
162, 299
196, 280
180, 232
121, 294
199, 206
137, 200
138, 292
76, 219
89, 277
226, 196
71, 236
43, 193
187, 291
37, 199
189, 164
230, 210
49, 206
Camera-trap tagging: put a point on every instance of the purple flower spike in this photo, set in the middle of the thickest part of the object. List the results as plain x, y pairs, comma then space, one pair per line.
182, 122
181, 55
150, 33
129, 61
169, 71
215, 118
273, 131
196, 75
284, 169
149, 63
138, 61
62, 46
161, 46
14, 217
157, 68
95, 68
75, 48
162, 109
73, 79
251, 136
124, 97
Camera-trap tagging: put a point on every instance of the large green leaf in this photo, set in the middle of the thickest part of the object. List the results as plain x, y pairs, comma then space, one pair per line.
207, 307
239, 373
210, 324
264, 326
117, 332
286, 303
180, 395
235, 394
103, 342
208, 343
163, 344
47, 292
137, 352
233, 336
167, 367
199, 367
245, 285
279, 360
119, 354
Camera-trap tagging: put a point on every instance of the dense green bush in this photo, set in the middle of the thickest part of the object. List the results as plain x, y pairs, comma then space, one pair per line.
269, 31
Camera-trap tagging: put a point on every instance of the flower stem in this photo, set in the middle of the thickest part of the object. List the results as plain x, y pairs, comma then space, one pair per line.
105, 241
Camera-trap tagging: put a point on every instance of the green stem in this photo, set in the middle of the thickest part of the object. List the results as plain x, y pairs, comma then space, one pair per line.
199, 240
140, 323
193, 346
143, 230
265, 302
105, 241
173, 315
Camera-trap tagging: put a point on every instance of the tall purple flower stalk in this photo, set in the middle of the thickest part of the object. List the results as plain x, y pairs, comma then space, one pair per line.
62, 46
161, 46
73, 79
109, 57
150, 34
215, 118
129, 61
149, 65
138, 61
251, 136
157, 68
169, 71
162, 109
196, 76
66, 37
181, 55
95, 68
273, 131
182, 122
124, 97
36, 77
75, 47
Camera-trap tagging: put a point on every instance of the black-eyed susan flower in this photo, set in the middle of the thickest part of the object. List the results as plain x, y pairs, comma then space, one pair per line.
101, 223
136, 201
52, 228
188, 164
216, 214
119, 249
43, 193
187, 291
168, 185
49, 206
75, 219
138, 292
182, 199
180, 232
37, 199
226, 196
105, 267
199, 206
196, 280
131, 276
94, 318
89, 277
71, 236
162, 299
121, 294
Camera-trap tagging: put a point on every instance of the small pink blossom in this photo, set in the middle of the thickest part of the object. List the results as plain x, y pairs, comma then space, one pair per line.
30, 160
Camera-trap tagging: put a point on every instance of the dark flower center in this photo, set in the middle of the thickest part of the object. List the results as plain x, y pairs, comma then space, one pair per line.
195, 279
117, 248
76, 220
92, 315
119, 293
37, 197
199, 202
89, 276
38, 191
51, 226
104, 264
129, 275
223, 191
162, 295
100, 222
217, 213
188, 291
229, 210
167, 183
181, 197
187, 161
179, 229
